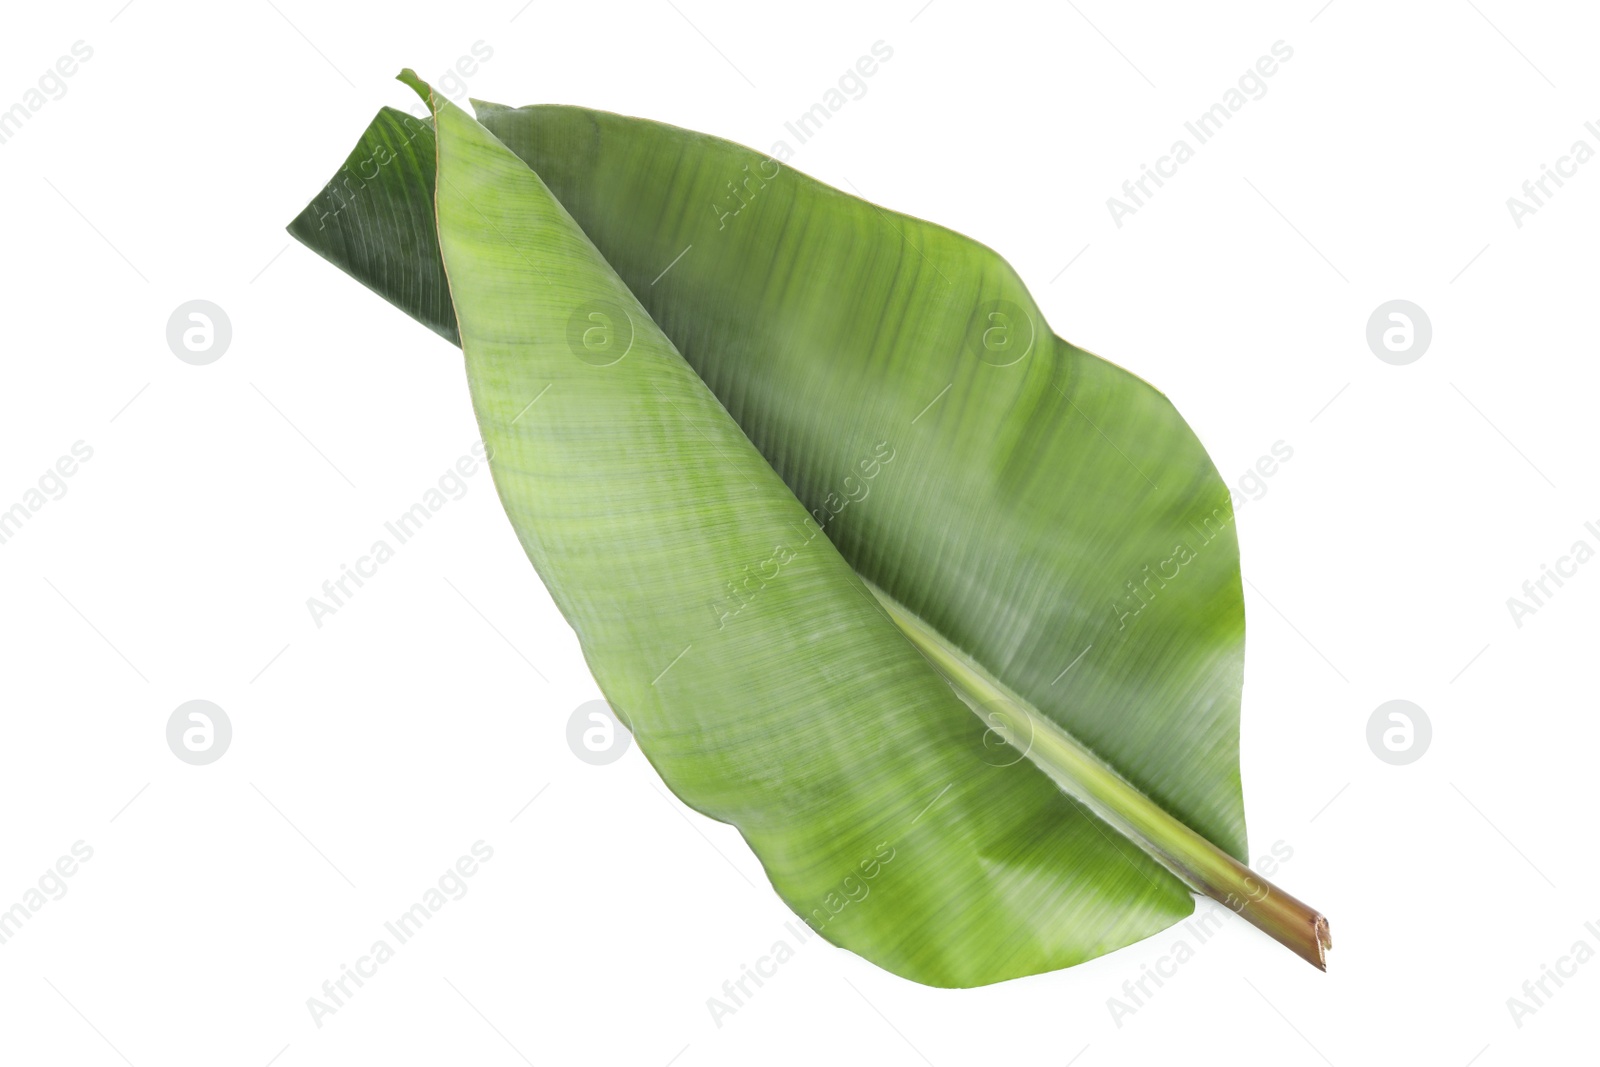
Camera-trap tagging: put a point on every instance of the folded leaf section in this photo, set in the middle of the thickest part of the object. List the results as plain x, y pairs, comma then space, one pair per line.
374, 220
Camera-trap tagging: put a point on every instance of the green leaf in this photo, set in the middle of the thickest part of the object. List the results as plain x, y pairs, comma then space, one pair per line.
1044, 488
374, 220
1042, 525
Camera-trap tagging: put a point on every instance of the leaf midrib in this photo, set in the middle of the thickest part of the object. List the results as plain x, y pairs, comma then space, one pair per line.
1085, 777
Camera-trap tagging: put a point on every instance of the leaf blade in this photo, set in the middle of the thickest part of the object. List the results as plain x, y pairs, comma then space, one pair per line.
823, 322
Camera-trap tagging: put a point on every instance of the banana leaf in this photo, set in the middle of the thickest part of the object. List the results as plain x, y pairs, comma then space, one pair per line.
942, 612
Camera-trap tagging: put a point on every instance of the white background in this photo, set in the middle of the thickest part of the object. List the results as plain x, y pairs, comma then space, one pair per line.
370, 753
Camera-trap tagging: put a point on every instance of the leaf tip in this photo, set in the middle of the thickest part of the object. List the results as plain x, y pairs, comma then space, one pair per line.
422, 89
